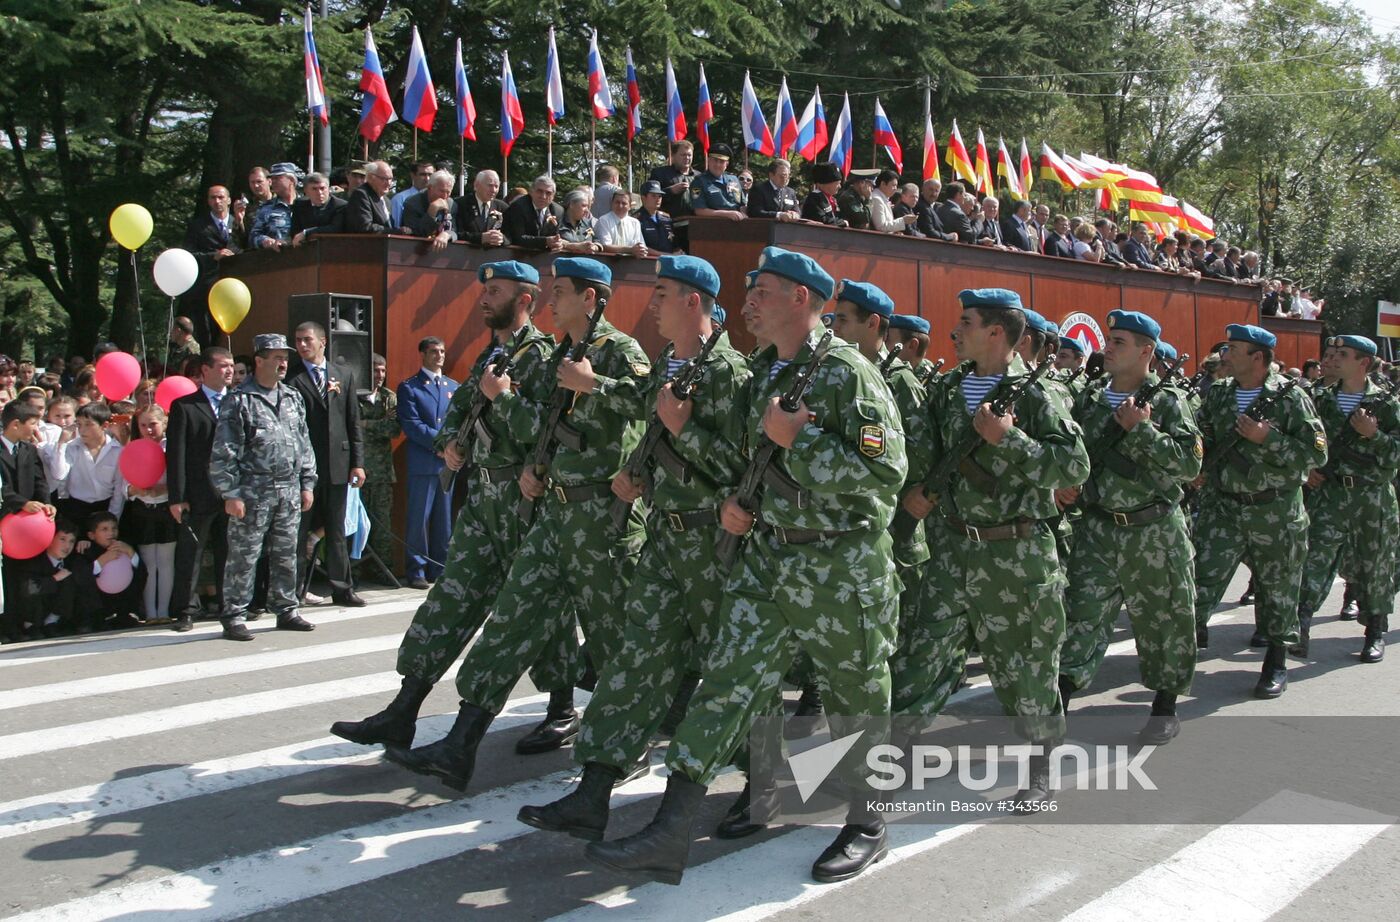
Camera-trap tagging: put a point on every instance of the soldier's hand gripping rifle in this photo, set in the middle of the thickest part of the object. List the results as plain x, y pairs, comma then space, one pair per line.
1112, 433
474, 423
683, 384
1227, 447
927, 375
937, 481
1345, 441
555, 430
751, 483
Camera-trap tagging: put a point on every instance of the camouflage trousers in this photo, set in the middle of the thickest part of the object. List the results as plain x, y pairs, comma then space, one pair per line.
570, 563
379, 501
1358, 526
671, 609
484, 541
272, 520
1011, 593
1272, 538
1148, 569
836, 600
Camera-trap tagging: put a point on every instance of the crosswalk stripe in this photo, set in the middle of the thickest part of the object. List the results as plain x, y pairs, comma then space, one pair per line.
280, 876
193, 672
1269, 864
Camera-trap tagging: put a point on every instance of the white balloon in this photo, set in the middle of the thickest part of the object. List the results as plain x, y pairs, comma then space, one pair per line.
176, 271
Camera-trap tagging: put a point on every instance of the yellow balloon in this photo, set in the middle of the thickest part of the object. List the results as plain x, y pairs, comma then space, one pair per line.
229, 301
131, 224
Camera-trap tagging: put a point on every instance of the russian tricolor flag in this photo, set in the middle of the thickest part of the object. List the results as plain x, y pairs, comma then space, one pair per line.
634, 99
704, 113
377, 110
757, 137
315, 87
553, 83
784, 122
675, 113
842, 140
599, 93
811, 129
512, 119
466, 107
419, 100
885, 137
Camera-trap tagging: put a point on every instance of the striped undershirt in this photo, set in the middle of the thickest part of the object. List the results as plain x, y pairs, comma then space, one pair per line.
975, 389
1349, 402
778, 366
1243, 398
673, 365
1115, 398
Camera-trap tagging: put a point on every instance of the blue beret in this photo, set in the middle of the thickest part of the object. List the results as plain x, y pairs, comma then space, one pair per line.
909, 322
799, 268
718, 315
1135, 322
749, 278
1038, 322
865, 296
690, 270
1072, 344
581, 267
1359, 343
508, 269
1248, 333
1165, 351
989, 297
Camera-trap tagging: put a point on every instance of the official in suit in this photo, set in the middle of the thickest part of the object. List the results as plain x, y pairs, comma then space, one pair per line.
955, 220
432, 213
210, 236
23, 488
319, 212
532, 221
1014, 227
1137, 251
929, 223
333, 420
189, 440
423, 402
774, 198
367, 209
481, 215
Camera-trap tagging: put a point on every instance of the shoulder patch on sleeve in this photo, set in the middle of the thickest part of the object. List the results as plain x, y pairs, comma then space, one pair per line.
872, 441
1199, 448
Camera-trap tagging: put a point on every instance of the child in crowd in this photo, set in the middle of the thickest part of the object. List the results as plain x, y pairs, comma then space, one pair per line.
86, 468
147, 524
56, 592
101, 548
121, 426
23, 488
60, 427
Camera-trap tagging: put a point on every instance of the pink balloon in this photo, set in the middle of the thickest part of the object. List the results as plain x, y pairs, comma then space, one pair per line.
116, 575
26, 534
142, 463
117, 375
172, 389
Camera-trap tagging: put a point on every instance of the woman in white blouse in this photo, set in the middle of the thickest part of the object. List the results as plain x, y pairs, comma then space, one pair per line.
618, 231
882, 210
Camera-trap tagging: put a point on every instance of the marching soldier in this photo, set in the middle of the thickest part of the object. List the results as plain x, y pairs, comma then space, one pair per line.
571, 551
1351, 504
1132, 546
816, 573
262, 466
488, 531
1252, 507
911, 331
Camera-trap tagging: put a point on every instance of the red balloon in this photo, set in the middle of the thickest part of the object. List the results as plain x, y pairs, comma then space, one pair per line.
172, 389
142, 463
26, 534
117, 375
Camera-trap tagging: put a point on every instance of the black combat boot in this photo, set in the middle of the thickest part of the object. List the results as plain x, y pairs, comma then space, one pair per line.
1274, 677
660, 850
748, 814
1258, 638
1163, 726
1248, 597
860, 843
810, 704
452, 758
1067, 691
1350, 608
1373, 651
679, 704
560, 726
392, 726
1038, 786
1300, 649
583, 812
1202, 636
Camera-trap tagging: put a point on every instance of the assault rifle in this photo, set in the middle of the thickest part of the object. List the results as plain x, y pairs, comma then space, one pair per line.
683, 384
888, 363
727, 548
1113, 433
927, 376
476, 416
1350, 435
555, 429
1226, 447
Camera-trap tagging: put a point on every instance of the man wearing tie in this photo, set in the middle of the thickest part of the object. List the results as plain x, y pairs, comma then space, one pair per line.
367, 211
482, 213
532, 221
194, 504
423, 401
23, 488
333, 420
209, 236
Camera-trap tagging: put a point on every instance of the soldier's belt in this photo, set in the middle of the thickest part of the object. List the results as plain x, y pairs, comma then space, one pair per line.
502, 474
1254, 499
1351, 481
1143, 516
689, 520
1021, 528
803, 535
666, 456
582, 492
784, 486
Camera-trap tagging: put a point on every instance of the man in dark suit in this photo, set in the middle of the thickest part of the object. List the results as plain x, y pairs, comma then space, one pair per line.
532, 221
1137, 251
955, 220
775, 198
926, 211
422, 406
481, 215
23, 488
210, 236
432, 213
333, 419
194, 504
986, 226
1057, 239
319, 212
1013, 227
367, 210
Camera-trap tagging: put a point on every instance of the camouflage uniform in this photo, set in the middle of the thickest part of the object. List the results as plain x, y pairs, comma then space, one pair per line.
1009, 589
1353, 514
836, 597
1269, 534
675, 594
571, 552
1146, 566
911, 555
379, 423
262, 455
855, 209
488, 531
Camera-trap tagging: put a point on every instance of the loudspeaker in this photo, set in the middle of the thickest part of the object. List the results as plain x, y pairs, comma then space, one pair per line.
349, 323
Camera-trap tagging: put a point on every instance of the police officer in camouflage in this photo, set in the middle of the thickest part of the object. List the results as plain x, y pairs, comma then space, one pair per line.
1132, 546
817, 572
262, 466
1252, 501
488, 530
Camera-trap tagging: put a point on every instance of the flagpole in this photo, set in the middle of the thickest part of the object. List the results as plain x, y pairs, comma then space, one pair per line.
549, 152
629, 163
364, 149
461, 165
311, 145
593, 153
415, 142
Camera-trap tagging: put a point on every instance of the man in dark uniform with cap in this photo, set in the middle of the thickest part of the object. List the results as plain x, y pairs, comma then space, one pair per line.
820, 204
716, 193
855, 200
657, 230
